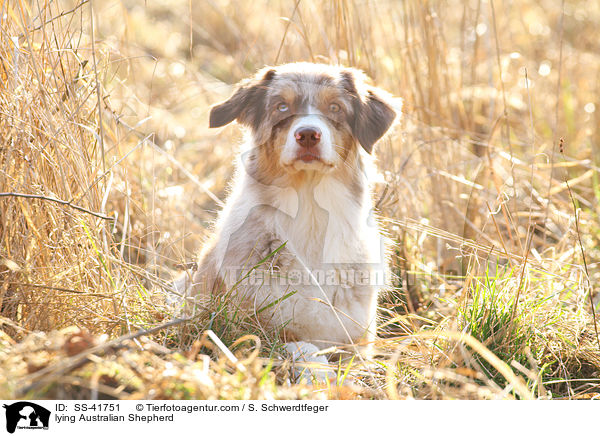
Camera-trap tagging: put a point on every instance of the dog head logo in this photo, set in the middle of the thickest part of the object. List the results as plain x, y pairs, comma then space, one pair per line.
26, 415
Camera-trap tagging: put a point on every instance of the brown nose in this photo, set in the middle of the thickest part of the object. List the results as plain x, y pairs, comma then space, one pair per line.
308, 137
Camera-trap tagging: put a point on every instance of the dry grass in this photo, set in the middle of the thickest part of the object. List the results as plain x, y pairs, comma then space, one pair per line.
109, 178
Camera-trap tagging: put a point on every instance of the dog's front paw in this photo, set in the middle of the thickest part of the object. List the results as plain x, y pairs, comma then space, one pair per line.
308, 364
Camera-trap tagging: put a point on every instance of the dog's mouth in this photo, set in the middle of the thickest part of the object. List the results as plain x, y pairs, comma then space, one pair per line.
308, 157
309, 161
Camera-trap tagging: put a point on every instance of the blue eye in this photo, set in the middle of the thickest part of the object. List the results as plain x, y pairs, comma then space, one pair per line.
282, 107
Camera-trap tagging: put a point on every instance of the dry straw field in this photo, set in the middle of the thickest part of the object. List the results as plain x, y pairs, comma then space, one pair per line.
110, 177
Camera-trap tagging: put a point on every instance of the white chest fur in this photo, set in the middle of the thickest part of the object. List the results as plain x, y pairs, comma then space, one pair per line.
335, 247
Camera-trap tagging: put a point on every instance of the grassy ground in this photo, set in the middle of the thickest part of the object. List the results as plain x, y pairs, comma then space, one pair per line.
110, 177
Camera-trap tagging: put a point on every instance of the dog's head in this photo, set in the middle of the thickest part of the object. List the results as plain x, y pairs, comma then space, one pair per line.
309, 116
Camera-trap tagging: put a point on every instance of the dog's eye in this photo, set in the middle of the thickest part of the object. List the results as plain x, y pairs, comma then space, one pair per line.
282, 107
334, 107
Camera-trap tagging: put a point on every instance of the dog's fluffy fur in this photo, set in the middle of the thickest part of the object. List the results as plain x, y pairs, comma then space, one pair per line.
312, 206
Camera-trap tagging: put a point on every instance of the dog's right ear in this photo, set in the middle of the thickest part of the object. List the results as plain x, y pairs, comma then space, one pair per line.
374, 110
246, 105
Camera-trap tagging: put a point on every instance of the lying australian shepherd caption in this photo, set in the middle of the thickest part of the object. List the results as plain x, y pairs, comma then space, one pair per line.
298, 238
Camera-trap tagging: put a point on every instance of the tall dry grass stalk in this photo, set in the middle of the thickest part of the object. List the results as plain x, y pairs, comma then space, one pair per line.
59, 261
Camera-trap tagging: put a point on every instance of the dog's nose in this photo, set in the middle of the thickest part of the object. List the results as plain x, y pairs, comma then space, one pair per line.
308, 137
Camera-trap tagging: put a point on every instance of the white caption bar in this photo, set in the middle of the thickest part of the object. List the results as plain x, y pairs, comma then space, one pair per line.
149, 418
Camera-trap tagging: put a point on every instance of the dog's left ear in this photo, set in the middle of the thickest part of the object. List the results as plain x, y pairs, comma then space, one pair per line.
374, 109
246, 105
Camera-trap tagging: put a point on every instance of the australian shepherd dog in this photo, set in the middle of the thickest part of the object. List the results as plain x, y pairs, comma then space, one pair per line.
298, 240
